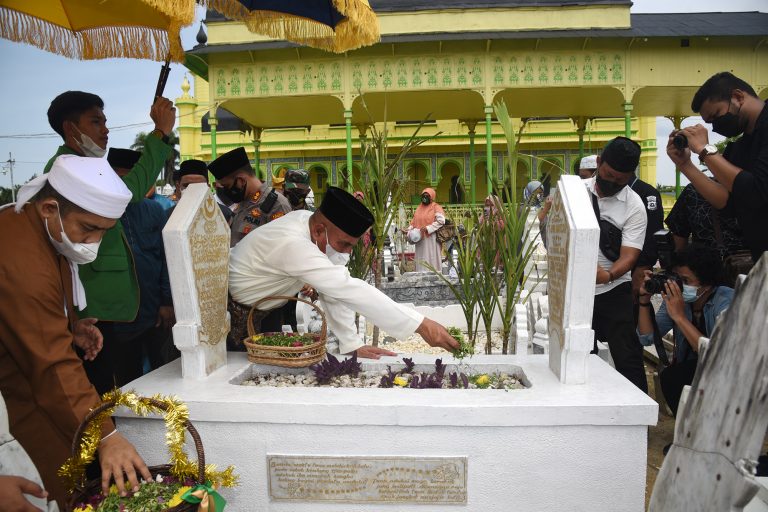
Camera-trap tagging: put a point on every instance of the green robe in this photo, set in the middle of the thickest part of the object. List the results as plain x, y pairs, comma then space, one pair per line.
111, 287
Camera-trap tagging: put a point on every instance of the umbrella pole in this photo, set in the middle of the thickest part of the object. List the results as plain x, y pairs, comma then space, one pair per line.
163, 78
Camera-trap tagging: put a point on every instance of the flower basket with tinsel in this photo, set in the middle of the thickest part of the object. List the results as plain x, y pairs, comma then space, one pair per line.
290, 350
181, 486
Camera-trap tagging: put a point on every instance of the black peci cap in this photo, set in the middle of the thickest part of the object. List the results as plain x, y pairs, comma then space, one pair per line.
345, 212
193, 167
122, 158
622, 154
230, 162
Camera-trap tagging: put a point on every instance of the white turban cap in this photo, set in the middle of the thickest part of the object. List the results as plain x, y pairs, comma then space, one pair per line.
588, 162
90, 183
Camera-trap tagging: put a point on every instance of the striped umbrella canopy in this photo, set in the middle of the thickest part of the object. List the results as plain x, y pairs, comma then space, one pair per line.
331, 25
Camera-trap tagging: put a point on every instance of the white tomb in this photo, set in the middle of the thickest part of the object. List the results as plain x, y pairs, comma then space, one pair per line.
554, 445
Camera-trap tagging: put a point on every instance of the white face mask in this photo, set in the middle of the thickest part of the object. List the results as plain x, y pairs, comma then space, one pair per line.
76, 253
88, 147
336, 257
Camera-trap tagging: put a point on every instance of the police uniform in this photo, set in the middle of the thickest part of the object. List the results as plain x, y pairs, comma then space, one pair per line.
264, 206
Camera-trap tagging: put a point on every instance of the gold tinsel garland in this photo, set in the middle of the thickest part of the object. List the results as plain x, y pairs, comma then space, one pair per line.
175, 415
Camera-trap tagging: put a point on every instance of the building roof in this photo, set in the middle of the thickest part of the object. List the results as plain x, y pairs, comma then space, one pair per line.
431, 5
709, 24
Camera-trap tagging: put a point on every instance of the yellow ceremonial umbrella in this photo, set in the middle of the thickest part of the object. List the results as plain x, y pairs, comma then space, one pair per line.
99, 29
332, 25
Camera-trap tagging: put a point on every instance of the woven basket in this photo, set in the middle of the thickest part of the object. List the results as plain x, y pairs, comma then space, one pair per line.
445, 232
287, 357
81, 493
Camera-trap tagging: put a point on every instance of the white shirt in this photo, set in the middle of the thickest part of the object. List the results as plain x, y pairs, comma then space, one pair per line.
280, 257
626, 211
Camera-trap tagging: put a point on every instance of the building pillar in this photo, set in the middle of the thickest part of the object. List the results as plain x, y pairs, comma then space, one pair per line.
581, 127
471, 125
488, 149
257, 155
348, 121
362, 130
628, 120
676, 122
213, 122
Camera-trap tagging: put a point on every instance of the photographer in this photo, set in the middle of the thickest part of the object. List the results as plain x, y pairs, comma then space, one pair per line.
690, 312
741, 172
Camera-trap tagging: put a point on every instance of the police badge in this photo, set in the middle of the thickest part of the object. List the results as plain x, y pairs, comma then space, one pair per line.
651, 201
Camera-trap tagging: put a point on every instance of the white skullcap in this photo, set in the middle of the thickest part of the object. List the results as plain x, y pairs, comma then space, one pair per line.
588, 162
89, 183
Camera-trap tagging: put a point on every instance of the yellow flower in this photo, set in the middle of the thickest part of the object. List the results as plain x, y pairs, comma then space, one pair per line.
482, 380
176, 500
113, 489
400, 381
256, 337
86, 508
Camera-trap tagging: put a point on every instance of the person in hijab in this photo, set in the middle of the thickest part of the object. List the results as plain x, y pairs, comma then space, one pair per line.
428, 218
42, 379
533, 194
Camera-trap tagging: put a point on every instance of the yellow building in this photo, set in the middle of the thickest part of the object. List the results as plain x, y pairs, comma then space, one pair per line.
581, 72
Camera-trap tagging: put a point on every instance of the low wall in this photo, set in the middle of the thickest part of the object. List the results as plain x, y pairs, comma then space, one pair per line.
547, 447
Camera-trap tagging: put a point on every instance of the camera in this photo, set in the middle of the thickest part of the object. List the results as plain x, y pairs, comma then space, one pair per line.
657, 281
680, 141
665, 247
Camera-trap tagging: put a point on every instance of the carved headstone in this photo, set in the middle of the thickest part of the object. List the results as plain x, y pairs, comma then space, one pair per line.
721, 424
196, 241
420, 289
572, 240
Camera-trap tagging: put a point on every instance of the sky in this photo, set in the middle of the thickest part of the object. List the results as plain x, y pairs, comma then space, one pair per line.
31, 78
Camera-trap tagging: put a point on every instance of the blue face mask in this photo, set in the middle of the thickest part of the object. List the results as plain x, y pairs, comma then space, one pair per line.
690, 293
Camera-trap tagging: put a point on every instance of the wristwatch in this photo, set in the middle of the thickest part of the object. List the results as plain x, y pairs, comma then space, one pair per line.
709, 149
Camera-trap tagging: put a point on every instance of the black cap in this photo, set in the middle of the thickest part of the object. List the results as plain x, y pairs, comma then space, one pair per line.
193, 167
622, 154
230, 162
345, 212
122, 158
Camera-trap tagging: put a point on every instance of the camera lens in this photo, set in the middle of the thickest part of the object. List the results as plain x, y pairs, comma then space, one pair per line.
680, 141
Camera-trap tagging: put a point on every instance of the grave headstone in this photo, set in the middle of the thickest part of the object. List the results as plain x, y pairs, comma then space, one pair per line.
722, 418
572, 240
520, 329
420, 289
196, 241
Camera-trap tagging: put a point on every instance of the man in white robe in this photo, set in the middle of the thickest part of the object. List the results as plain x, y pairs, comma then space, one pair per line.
313, 248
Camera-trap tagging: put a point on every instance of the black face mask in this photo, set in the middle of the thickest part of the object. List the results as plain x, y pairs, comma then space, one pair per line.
234, 193
296, 198
425, 199
608, 188
728, 124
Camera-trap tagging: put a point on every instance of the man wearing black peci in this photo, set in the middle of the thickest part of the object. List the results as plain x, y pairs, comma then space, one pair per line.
621, 215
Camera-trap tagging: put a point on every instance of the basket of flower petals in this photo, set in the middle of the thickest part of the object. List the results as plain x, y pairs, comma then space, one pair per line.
181, 486
290, 350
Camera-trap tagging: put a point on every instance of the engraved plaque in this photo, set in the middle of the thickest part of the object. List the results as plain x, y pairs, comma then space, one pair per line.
209, 242
558, 239
361, 479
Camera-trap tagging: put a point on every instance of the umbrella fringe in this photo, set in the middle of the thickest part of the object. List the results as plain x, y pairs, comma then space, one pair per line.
359, 28
96, 43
